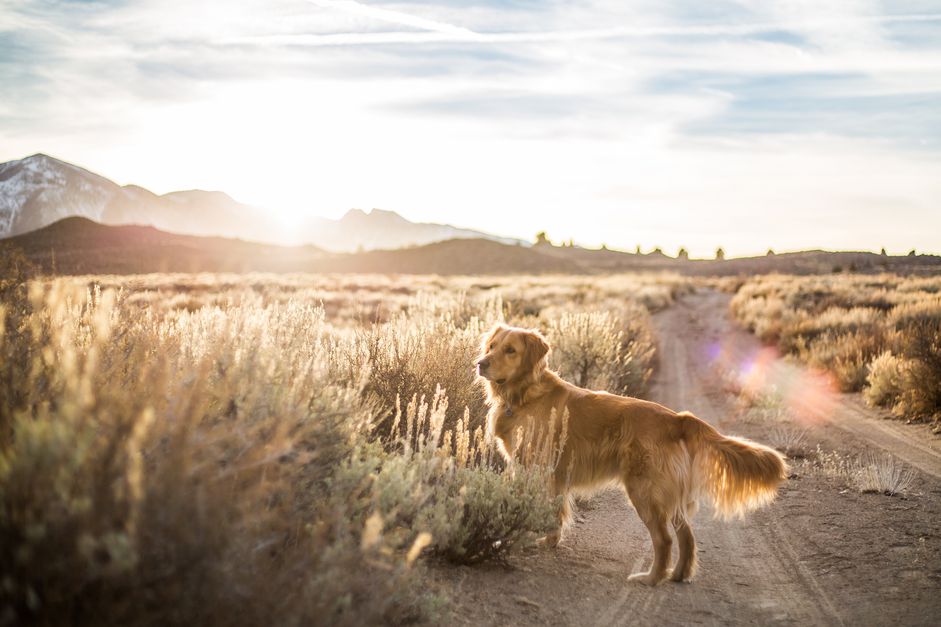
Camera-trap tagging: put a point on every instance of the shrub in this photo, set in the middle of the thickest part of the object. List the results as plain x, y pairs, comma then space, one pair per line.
601, 351
151, 487
883, 474
801, 328
846, 355
920, 343
472, 509
788, 440
872, 473
238, 458
882, 331
412, 354
885, 380
15, 273
759, 314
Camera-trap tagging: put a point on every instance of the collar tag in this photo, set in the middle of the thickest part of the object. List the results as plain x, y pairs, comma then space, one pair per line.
509, 410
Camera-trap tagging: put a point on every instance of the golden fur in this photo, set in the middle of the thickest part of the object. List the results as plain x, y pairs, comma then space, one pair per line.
665, 460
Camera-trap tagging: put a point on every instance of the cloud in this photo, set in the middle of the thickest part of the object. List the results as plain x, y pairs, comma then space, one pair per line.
826, 30
784, 46
444, 110
394, 17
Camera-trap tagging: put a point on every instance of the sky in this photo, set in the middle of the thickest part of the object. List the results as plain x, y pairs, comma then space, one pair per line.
748, 125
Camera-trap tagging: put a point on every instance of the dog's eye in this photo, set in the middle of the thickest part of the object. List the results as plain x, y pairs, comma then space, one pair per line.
491, 346
510, 350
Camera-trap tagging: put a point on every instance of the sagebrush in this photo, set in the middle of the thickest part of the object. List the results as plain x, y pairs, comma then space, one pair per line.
876, 334
198, 450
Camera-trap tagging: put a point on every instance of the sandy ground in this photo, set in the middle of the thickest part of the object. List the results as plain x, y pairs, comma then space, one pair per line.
822, 554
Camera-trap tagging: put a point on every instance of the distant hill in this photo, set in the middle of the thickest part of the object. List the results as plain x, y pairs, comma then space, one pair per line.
39, 190
81, 246
360, 230
457, 256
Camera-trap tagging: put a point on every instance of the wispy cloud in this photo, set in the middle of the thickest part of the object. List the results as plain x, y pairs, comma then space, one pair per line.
701, 115
394, 17
440, 32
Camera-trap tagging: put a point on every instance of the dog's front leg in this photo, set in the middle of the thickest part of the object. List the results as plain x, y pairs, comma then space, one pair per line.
565, 515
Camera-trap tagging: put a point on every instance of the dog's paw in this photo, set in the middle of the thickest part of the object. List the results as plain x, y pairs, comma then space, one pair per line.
551, 540
648, 578
679, 576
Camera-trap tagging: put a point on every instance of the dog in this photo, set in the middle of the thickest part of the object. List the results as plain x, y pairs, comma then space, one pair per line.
665, 460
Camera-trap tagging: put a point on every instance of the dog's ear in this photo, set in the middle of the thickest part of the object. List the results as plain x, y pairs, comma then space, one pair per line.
537, 347
489, 336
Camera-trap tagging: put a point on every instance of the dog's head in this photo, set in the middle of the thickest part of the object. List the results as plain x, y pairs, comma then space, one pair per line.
511, 354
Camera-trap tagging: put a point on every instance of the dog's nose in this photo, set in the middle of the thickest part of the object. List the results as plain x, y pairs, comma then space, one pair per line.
483, 364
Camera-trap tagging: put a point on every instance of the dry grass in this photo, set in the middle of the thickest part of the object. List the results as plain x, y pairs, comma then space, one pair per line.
870, 473
885, 380
789, 440
352, 299
884, 474
604, 351
765, 406
208, 450
876, 334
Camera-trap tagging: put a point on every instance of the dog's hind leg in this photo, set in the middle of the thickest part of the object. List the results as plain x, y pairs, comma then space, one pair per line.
685, 566
655, 517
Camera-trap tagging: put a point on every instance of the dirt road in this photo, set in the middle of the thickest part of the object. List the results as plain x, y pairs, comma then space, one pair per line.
822, 554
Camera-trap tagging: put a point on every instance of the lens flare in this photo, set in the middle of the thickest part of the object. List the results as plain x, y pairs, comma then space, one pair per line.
810, 396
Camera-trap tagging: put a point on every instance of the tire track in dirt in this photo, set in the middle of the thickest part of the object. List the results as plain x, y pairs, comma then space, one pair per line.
913, 444
778, 586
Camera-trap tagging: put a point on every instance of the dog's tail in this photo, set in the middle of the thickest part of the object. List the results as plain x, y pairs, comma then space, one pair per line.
739, 475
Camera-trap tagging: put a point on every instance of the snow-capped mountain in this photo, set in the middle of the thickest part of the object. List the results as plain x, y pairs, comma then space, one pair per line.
39, 190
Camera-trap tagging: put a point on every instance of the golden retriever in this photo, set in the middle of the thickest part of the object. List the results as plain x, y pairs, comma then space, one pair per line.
665, 460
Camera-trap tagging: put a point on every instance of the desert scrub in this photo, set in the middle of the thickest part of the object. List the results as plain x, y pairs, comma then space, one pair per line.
765, 406
884, 380
877, 334
789, 440
917, 328
870, 473
435, 341
15, 274
178, 470
603, 351
416, 351
883, 474
845, 354
353, 299
226, 459
450, 484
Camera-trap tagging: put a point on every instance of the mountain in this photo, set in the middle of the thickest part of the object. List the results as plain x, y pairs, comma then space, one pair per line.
382, 230
39, 190
80, 246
